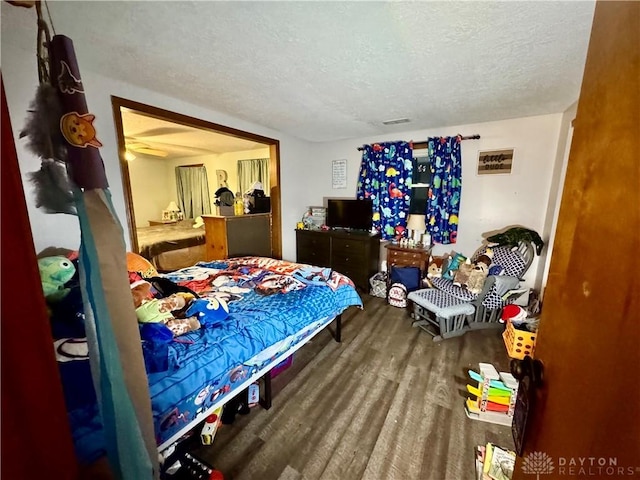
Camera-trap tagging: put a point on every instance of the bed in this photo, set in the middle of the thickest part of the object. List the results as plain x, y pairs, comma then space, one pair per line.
172, 246
275, 307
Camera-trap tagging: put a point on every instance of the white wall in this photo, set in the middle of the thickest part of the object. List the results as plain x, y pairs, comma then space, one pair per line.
555, 195
21, 79
489, 202
150, 188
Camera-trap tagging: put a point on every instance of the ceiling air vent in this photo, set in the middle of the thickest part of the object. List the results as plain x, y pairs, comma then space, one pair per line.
396, 121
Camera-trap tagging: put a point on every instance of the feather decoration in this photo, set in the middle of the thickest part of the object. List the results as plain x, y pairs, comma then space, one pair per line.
52, 188
42, 126
42, 129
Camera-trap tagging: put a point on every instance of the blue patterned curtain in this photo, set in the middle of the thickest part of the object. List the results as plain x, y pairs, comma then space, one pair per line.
443, 203
385, 178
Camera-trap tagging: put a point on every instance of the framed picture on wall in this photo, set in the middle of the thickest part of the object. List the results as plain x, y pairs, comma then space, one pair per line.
495, 161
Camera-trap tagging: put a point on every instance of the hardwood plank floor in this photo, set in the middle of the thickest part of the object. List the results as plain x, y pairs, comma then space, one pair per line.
386, 403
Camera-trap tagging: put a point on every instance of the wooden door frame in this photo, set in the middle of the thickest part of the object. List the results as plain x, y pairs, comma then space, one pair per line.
274, 161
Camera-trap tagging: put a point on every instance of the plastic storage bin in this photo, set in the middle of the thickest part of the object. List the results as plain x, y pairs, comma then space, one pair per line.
519, 343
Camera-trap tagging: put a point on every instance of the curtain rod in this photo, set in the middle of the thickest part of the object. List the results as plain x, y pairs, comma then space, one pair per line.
467, 137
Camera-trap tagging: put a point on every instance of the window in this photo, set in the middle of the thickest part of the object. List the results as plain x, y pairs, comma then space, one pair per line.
421, 180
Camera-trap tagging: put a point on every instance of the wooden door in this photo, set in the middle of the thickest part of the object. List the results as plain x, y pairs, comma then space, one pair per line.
36, 438
587, 414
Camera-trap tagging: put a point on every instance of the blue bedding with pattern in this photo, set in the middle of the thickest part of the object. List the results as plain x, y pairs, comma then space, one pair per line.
273, 305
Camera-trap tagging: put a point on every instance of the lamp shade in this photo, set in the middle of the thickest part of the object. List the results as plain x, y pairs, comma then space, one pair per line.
416, 222
172, 207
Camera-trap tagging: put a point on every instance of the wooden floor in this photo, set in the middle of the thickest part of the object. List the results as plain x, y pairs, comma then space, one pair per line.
386, 403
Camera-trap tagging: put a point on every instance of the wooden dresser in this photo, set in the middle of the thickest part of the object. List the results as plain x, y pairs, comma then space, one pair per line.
237, 235
354, 254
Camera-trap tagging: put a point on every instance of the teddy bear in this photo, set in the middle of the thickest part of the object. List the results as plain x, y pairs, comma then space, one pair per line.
477, 276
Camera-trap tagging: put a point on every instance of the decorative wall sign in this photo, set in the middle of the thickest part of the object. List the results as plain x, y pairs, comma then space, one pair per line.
339, 174
495, 161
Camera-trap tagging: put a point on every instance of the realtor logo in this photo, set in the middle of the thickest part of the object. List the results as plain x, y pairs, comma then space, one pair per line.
538, 463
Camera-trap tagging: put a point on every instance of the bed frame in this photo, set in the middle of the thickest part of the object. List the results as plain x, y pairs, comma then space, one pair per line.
263, 374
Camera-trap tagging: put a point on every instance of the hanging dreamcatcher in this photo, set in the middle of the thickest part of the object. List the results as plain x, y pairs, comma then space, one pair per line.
53, 192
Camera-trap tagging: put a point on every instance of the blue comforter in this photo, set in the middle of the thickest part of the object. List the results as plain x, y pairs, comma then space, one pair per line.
273, 305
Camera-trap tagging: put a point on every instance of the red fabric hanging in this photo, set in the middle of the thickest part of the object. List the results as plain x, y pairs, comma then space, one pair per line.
36, 440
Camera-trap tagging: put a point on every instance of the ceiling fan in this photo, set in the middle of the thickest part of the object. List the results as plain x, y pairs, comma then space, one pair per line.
134, 146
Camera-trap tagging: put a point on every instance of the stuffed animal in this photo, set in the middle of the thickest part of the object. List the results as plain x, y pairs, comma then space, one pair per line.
140, 289
209, 312
479, 272
434, 270
54, 273
514, 235
453, 264
462, 273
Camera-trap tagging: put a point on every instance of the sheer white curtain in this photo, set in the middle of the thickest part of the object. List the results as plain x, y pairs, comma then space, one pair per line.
193, 191
251, 171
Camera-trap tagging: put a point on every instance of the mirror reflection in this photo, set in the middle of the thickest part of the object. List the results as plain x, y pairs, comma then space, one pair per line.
177, 173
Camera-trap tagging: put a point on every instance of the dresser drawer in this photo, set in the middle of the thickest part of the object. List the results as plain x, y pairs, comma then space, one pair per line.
354, 272
318, 258
347, 250
407, 257
313, 248
312, 240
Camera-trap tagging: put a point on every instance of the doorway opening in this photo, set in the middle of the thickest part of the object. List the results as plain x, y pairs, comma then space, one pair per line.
152, 142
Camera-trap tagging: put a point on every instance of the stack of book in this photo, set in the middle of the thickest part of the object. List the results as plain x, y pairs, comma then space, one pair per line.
494, 463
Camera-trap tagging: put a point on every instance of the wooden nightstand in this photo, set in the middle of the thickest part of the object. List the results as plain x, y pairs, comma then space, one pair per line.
407, 257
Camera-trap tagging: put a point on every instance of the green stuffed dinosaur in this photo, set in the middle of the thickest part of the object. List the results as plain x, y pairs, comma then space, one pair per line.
54, 273
514, 235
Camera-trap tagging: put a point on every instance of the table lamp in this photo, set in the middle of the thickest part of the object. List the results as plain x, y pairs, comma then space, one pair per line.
173, 210
417, 225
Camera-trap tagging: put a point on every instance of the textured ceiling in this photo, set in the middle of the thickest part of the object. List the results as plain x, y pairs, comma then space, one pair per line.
170, 140
324, 71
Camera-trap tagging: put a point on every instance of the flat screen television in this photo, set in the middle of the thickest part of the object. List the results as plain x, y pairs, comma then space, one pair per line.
350, 214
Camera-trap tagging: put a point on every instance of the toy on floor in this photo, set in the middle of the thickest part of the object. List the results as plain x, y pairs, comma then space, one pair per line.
210, 427
189, 467
495, 396
237, 405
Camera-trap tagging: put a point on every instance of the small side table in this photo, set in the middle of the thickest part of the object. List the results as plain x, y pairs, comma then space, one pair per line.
408, 257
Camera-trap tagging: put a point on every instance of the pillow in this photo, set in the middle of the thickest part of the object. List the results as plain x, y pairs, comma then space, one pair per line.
137, 263
408, 276
453, 265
